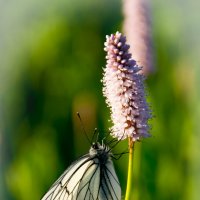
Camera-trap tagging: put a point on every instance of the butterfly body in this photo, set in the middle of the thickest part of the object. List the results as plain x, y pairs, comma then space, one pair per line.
91, 177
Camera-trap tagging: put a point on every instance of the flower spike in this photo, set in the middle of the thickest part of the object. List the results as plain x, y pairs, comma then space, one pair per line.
124, 91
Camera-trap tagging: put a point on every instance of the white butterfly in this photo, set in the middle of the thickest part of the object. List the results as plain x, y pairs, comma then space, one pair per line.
91, 177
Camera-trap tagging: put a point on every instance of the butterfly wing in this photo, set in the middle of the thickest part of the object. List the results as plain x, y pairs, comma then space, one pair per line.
65, 188
86, 179
109, 186
99, 182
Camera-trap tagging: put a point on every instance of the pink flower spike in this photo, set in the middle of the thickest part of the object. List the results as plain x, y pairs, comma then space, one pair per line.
124, 91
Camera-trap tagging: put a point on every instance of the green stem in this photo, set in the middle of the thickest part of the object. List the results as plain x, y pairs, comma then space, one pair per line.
130, 170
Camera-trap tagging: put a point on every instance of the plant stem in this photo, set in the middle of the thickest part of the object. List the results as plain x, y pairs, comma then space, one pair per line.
130, 170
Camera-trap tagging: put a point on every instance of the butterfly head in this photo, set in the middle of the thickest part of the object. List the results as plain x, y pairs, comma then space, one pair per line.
102, 152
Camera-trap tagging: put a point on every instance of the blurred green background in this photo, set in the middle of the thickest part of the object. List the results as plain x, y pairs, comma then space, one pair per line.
51, 59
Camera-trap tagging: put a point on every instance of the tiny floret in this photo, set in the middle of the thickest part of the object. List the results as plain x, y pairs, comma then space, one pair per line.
124, 91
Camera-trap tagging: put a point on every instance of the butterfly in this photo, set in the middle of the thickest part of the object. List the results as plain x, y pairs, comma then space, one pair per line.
91, 177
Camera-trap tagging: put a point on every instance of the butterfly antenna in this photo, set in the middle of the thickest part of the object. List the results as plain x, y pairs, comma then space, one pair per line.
95, 132
102, 142
97, 139
82, 126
